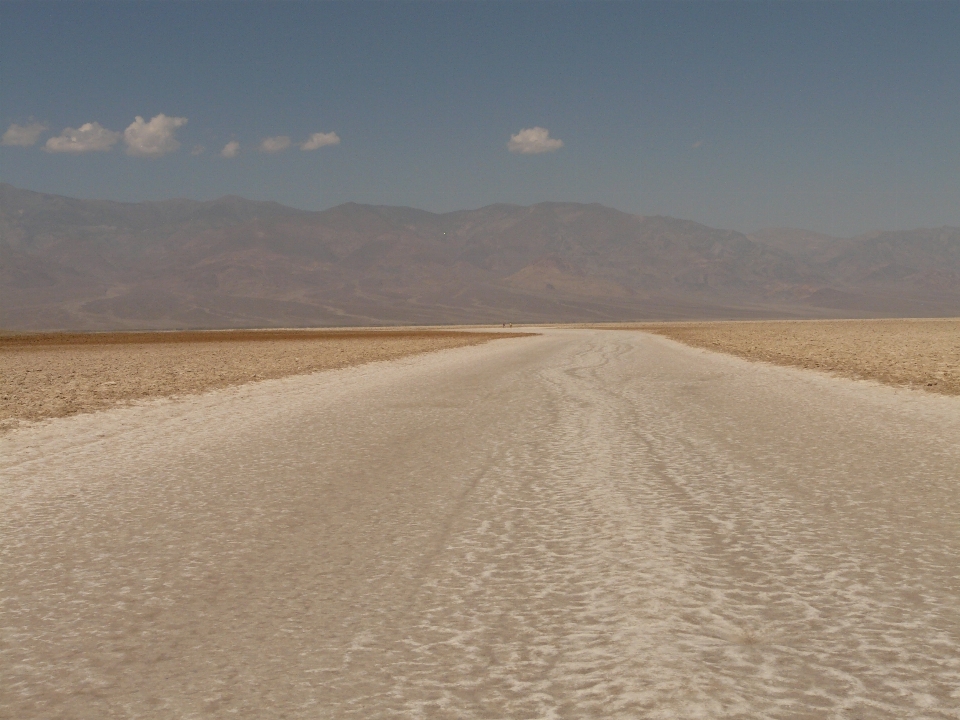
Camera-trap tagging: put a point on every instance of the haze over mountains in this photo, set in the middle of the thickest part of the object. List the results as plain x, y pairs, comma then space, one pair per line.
94, 265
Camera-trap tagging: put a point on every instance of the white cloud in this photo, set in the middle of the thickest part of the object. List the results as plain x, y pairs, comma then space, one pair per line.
319, 140
230, 150
197, 150
275, 144
152, 139
23, 135
89, 137
531, 141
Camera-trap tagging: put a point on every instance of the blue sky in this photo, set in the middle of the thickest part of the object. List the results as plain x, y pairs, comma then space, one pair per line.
837, 117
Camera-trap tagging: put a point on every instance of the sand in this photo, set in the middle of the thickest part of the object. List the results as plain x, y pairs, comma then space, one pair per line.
55, 375
919, 353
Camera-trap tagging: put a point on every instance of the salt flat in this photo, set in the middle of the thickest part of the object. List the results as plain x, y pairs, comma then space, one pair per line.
49, 375
585, 523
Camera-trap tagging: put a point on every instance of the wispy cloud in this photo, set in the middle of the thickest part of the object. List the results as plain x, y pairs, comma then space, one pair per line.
532, 141
23, 135
89, 137
197, 150
153, 139
230, 150
275, 144
697, 144
319, 140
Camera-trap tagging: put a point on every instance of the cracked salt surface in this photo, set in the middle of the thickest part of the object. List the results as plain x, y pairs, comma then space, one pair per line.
581, 524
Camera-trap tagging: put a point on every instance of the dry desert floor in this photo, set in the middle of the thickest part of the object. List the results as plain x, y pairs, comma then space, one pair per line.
578, 524
55, 375
918, 353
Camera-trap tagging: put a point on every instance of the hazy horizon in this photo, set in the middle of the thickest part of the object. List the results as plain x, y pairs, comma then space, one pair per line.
481, 207
837, 118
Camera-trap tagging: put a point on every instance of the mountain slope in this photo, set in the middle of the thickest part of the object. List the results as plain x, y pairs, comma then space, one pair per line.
90, 264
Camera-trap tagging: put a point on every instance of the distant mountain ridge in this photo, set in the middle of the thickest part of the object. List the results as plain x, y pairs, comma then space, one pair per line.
93, 264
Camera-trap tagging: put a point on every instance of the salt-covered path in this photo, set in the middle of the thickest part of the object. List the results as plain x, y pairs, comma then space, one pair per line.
581, 524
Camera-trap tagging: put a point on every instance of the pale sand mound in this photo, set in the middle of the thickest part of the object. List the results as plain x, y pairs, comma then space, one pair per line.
53, 375
915, 353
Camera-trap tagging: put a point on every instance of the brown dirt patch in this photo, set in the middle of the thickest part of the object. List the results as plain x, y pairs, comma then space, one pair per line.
55, 374
914, 353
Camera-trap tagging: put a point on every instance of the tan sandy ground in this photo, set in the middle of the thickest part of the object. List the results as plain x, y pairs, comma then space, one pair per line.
914, 353
54, 375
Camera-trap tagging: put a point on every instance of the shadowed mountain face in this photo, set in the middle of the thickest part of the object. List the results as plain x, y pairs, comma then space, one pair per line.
89, 264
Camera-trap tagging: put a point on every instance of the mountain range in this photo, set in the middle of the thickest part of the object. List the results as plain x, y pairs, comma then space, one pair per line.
95, 265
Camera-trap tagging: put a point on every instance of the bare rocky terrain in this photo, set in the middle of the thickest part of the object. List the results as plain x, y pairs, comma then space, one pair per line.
99, 265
